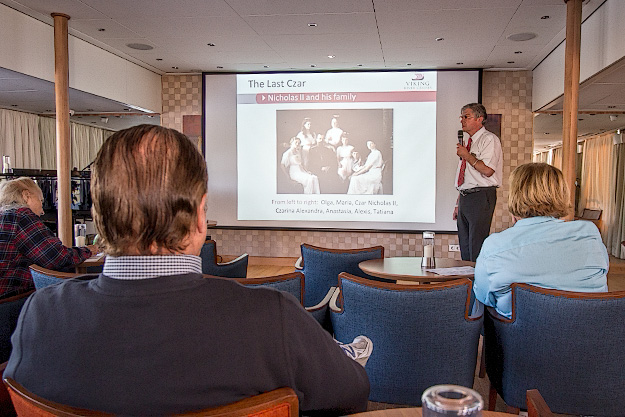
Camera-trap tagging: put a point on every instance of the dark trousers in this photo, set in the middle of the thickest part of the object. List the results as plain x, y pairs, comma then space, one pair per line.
475, 213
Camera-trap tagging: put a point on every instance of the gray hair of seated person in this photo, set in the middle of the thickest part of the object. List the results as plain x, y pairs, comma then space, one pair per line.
147, 184
12, 192
538, 189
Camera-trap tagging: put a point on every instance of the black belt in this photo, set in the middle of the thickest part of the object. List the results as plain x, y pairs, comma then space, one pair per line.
474, 190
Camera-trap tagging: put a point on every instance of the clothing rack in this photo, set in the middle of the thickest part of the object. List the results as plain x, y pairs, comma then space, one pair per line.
46, 179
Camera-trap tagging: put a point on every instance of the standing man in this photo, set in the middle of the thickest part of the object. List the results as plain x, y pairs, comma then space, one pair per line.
477, 178
150, 335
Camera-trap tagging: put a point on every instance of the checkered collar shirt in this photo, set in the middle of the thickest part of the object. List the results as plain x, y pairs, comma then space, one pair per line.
152, 266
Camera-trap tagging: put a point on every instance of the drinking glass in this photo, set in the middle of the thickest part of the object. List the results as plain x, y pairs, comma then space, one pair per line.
451, 400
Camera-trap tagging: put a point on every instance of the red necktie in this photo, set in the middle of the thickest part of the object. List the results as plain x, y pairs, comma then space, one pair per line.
463, 166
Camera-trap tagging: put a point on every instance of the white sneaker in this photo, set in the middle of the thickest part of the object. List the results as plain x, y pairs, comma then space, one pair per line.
359, 350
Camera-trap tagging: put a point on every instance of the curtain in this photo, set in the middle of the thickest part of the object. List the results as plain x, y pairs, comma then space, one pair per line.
596, 175
616, 229
85, 143
556, 158
19, 138
47, 139
541, 157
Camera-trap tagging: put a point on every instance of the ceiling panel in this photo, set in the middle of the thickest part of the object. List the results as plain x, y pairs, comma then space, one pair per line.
286, 7
326, 24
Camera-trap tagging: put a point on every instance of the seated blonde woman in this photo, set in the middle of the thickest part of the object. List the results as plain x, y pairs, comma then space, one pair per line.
540, 249
25, 240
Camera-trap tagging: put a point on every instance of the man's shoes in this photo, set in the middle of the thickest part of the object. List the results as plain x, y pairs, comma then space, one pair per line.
359, 350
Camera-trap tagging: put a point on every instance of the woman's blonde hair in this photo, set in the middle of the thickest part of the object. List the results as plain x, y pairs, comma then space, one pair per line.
538, 189
11, 191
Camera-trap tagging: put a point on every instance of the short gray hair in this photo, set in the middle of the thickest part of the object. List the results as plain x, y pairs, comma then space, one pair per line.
478, 110
11, 191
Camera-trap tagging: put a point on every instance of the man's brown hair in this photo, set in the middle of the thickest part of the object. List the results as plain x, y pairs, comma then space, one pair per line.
147, 184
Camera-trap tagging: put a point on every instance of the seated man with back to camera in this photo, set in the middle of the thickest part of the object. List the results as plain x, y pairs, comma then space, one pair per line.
540, 249
150, 335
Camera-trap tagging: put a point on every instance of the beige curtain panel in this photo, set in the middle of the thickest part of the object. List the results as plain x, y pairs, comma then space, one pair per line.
19, 138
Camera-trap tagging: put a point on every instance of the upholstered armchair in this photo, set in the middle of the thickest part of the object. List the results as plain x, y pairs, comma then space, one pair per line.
568, 345
237, 268
293, 283
422, 335
42, 277
322, 266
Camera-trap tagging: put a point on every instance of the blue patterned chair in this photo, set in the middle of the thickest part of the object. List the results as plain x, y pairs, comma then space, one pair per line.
322, 266
293, 283
42, 277
237, 268
422, 334
568, 345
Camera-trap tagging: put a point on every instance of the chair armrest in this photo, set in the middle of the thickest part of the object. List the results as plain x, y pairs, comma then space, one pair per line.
478, 310
298, 263
325, 301
334, 307
536, 405
496, 316
238, 259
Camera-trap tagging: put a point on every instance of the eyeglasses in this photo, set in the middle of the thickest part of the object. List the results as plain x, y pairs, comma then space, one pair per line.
466, 116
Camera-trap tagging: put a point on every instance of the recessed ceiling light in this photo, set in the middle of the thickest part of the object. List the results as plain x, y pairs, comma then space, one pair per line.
518, 52
219, 67
439, 39
312, 25
459, 63
174, 67
48, 110
331, 56
159, 59
408, 64
359, 65
210, 44
139, 46
265, 66
579, 120
312, 65
546, 133
13, 105
510, 62
545, 17
611, 107
520, 37
101, 30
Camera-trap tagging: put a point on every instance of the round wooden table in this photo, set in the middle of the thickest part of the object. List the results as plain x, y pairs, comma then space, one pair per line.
409, 270
415, 412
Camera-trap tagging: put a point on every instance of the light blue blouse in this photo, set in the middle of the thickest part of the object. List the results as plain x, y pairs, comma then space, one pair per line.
541, 251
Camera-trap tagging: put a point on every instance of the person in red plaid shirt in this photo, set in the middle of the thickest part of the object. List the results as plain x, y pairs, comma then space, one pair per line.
25, 240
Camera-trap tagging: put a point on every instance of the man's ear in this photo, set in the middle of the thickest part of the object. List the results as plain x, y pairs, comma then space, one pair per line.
25, 195
201, 215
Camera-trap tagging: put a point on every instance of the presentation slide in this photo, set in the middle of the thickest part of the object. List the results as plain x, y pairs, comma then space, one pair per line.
324, 147
335, 150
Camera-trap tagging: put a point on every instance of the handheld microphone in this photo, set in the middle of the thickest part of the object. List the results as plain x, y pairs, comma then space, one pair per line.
460, 136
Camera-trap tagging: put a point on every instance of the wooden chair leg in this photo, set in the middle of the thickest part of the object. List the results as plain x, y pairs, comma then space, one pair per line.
492, 398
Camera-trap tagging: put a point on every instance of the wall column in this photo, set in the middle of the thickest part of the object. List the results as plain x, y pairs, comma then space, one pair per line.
63, 144
571, 94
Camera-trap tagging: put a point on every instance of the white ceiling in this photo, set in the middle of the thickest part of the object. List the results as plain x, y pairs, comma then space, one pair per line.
276, 35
